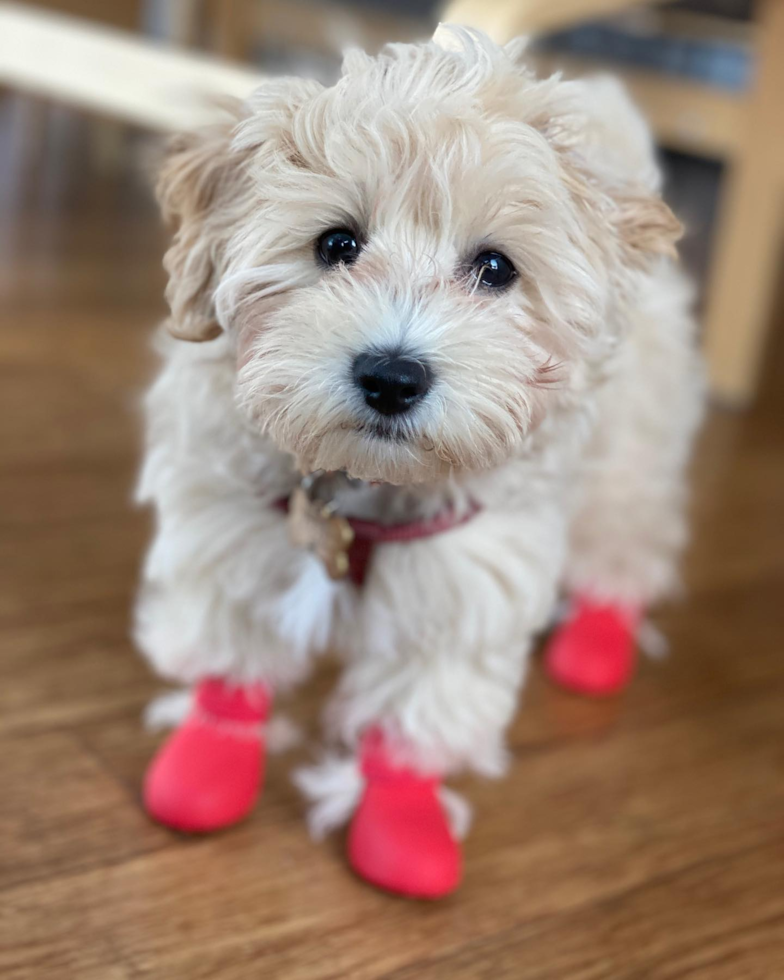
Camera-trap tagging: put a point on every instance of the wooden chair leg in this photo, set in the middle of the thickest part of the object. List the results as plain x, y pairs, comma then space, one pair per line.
505, 19
745, 269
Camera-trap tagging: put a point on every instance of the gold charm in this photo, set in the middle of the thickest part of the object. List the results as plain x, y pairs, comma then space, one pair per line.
314, 525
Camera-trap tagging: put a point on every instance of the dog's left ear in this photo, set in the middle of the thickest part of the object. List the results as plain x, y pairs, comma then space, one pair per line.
609, 154
631, 209
646, 226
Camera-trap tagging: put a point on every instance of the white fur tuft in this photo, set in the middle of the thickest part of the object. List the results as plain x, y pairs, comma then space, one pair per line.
168, 710
653, 641
333, 788
459, 811
282, 734
448, 37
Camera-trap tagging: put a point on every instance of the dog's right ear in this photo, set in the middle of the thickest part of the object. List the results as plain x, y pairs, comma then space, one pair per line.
199, 187
205, 190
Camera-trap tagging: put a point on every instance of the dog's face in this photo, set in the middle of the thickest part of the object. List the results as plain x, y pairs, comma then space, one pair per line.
414, 265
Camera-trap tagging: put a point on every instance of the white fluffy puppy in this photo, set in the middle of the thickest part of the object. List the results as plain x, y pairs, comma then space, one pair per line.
450, 288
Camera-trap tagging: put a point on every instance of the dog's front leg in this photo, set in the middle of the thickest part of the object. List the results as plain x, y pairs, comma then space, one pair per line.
439, 642
239, 619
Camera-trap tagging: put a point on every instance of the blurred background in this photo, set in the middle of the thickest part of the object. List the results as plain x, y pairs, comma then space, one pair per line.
637, 837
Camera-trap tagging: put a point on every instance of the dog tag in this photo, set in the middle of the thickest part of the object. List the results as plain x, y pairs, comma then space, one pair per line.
313, 525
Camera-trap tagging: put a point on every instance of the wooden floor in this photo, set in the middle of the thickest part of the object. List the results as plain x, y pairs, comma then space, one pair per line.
638, 838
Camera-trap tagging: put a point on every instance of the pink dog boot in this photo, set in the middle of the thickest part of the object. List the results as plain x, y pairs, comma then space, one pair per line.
593, 651
209, 773
399, 838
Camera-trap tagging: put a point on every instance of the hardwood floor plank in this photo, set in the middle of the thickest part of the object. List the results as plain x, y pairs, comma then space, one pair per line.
573, 838
60, 812
671, 927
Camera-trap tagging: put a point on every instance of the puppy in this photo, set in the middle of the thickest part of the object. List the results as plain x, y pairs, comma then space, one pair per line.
429, 364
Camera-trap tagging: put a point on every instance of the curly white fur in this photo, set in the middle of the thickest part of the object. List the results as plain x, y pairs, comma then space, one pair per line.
565, 405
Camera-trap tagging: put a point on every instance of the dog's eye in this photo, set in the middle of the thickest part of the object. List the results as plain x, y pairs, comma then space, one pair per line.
493, 269
338, 245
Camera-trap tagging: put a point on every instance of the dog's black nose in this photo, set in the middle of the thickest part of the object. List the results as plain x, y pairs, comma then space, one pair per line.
391, 383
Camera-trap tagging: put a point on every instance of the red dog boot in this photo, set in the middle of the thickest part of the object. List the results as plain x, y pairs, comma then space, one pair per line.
399, 838
209, 773
593, 651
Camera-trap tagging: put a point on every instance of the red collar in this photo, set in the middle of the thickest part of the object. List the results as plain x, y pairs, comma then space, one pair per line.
368, 534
